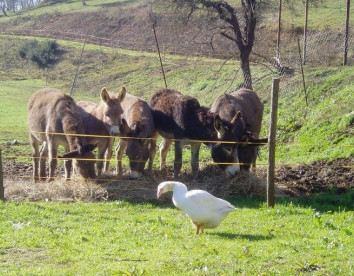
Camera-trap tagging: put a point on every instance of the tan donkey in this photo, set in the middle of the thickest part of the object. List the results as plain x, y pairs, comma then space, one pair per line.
53, 120
103, 119
139, 125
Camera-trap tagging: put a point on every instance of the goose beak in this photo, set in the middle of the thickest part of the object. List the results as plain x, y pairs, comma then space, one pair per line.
159, 193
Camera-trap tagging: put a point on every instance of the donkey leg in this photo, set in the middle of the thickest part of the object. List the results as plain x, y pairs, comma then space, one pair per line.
195, 147
164, 147
256, 154
178, 158
52, 159
35, 157
152, 151
108, 155
100, 158
122, 145
43, 156
68, 164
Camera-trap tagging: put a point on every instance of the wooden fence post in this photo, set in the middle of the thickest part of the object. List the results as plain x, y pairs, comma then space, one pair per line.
271, 143
2, 193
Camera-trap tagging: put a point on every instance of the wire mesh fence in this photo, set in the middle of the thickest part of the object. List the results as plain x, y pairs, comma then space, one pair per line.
188, 69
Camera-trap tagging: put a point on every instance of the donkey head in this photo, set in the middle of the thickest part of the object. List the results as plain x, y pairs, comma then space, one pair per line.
84, 158
138, 153
112, 110
226, 154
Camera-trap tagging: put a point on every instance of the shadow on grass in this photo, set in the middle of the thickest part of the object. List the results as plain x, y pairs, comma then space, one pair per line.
332, 200
241, 236
323, 202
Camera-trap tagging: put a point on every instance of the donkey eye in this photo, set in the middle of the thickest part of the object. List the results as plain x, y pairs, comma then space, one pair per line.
229, 149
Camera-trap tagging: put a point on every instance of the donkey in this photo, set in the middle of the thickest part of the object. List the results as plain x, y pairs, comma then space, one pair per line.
138, 123
102, 120
53, 120
182, 118
245, 104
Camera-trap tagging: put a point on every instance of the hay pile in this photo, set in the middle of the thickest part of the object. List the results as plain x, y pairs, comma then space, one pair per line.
59, 190
211, 178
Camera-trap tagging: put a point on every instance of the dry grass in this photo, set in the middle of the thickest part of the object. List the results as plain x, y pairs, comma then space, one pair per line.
211, 178
59, 190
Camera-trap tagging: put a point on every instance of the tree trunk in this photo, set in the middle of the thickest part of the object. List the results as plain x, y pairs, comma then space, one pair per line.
3, 9
245, 66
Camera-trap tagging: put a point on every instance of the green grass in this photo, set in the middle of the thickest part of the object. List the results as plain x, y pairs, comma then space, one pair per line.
323, 128
69, 7
328, 14
15, 95
295, 238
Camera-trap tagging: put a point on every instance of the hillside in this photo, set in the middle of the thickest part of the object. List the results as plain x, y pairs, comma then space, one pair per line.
126, 24
321, 129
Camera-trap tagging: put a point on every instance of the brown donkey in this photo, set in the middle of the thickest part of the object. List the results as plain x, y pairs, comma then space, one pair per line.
53, 120
139, 124
103, 119
245, 104
181, 117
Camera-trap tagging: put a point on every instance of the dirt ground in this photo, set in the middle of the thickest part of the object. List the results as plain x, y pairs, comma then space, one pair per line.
292, 181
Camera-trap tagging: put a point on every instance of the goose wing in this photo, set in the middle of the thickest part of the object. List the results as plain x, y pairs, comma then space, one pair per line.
203, 200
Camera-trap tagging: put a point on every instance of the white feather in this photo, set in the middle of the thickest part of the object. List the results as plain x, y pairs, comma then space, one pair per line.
202, 207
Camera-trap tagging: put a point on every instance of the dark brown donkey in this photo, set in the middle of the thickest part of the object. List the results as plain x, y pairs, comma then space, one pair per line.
243, 103
138, 123
103, 119
181, 117
53, 120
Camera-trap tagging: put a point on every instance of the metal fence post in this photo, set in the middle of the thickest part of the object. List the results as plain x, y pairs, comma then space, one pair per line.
2, 191
345, 58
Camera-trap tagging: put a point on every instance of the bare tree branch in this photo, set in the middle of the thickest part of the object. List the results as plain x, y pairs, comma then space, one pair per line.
238, 25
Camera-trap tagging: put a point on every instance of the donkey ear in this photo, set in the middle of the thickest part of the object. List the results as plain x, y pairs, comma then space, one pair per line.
234, 119
104, 95
121, 94
238, 116
69, 155
219, 126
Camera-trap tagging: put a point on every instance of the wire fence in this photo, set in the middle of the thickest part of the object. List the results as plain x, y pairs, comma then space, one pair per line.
125, 159
324, 48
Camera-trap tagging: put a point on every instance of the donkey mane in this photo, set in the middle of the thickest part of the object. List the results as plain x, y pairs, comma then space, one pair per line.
72, 125
205, 117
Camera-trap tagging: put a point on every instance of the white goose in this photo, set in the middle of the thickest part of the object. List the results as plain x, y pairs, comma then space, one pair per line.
204, 209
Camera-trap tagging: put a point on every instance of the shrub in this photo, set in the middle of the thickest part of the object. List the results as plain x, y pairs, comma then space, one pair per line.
42, 54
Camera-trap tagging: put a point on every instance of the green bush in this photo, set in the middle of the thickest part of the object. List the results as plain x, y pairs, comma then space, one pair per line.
42, 54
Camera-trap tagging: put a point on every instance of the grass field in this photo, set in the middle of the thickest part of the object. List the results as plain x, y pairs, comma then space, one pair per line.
311, 236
